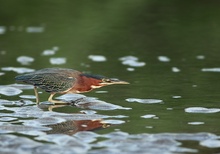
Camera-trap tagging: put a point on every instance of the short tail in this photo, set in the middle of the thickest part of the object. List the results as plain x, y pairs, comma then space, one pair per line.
22, 78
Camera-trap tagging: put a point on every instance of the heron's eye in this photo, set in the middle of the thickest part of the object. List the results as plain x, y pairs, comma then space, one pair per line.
106, 80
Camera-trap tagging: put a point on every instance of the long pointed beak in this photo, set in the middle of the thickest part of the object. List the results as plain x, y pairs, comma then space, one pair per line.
120, 82
115, 81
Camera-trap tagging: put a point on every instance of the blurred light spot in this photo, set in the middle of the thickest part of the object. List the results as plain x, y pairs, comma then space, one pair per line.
200, 57
130, 69
25, 60
144, 101
201, 110
2, 30
101, 92
19, 70
196, 123
28, 96
211, 70
148, 116
97, 58
2, 52
175, 69
131, 61
210, 143
9, 91
58, 61
176, 96
48, 52
113, 122
163, 58
7, 119
35, 29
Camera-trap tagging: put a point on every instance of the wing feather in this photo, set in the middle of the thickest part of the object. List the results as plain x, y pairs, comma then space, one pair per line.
50, 82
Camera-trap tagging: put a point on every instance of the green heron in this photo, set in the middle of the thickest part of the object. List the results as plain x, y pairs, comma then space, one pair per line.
63, 80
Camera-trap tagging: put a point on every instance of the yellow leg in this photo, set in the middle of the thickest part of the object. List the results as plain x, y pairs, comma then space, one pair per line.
51, 107
36, 95
50, 99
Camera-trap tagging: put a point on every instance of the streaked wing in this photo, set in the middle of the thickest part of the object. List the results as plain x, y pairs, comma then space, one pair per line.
51, 82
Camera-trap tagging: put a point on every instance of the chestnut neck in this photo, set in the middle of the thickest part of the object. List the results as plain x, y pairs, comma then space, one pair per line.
85, 84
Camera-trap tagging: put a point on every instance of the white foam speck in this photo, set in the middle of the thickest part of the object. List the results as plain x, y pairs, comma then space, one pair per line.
149, 127
201, 110
196, 123
130, 69
175, 69
27, 96
210, 143
131, 61
55, 48
144, 101
35, 29
128, 58
176, 96
9, 91
19, 70
97, 58
211, 70
48, 52
2, 73
148, 116
113, 122
101, 92
200, 57
163, 58
25, 60
58, 61
2, 30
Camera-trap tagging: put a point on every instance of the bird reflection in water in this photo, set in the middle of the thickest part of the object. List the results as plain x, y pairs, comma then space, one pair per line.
72, 127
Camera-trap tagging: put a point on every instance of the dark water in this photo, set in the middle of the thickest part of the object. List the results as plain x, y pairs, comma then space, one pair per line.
167, 50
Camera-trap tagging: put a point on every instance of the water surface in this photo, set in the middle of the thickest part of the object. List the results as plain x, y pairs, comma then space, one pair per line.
167, 50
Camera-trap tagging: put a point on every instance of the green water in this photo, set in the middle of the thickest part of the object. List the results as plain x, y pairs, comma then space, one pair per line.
187, 32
